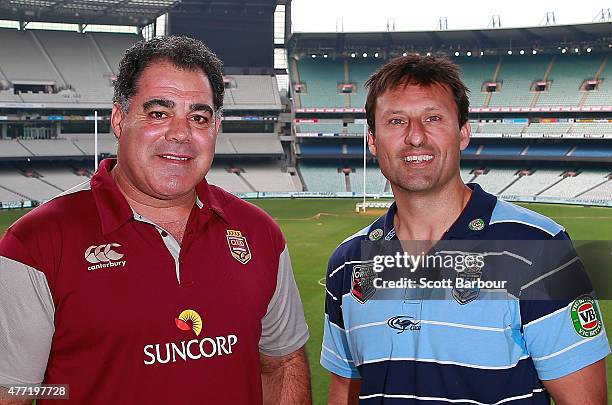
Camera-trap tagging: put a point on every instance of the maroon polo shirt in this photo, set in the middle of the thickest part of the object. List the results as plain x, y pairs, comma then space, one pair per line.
121, 312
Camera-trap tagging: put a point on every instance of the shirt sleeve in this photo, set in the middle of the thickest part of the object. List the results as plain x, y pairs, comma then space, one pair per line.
335, 352
562, 324
26, 319
284, 328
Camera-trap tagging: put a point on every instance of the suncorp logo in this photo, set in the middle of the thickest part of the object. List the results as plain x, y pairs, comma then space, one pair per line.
104, 256
194, 349
189, 320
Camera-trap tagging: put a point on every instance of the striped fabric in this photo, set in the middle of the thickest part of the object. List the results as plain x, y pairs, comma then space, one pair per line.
485, 351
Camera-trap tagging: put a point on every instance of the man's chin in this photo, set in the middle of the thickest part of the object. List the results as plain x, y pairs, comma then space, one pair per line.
171, 193
414, 186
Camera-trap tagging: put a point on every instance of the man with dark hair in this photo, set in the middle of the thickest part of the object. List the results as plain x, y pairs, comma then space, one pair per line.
466, 345
148, 285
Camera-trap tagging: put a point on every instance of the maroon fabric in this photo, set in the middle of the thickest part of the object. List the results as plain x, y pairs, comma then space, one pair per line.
104, 318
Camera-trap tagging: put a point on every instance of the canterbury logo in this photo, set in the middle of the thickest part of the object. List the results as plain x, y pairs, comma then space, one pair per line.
102, 253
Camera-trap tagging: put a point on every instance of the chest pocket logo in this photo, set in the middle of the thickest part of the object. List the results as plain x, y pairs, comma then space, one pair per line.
102, 253
238, 246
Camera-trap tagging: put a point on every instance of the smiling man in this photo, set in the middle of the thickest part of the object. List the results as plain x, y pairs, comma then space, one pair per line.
522, 347
149, 285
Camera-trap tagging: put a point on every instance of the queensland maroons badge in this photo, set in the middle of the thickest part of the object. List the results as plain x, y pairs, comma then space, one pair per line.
238, 246
586, 317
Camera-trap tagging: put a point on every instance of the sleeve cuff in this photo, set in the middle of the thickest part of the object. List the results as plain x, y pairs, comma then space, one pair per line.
299, 342
573, 362
332, 367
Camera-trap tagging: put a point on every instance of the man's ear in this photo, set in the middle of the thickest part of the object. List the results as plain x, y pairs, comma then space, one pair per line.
371, 143
117, 116
464, 135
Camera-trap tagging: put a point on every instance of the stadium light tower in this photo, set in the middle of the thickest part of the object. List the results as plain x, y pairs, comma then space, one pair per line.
495, 21
443, 23
549, 18
603, 15
339, 24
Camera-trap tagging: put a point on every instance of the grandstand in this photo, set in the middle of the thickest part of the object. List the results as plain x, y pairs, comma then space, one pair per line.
539, 126
52, 81
540, 120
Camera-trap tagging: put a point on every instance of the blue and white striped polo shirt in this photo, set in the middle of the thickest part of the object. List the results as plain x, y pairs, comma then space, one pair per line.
480, 352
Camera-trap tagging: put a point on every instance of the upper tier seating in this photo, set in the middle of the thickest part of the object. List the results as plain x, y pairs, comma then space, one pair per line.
321, 78
22, 59
517, 73
568, 73
253, 92
475, 72
603, 95
359, 72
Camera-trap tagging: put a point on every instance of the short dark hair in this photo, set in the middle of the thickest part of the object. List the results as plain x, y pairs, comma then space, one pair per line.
419, 70
184, 52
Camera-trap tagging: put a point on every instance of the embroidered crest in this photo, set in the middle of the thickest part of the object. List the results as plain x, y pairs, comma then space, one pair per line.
362, 282
238, 246
585, 317
468, 276
376, 234
477, 224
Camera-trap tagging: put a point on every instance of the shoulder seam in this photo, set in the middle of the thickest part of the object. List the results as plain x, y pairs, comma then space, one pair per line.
512, 219
359, 233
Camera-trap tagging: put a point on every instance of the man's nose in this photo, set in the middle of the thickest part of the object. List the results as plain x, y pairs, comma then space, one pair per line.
416, 133
179, 130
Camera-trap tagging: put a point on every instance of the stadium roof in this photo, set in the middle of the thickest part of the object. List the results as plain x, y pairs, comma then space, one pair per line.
497, 38
113, 12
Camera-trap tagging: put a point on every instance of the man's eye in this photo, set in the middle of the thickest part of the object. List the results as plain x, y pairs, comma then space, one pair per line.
158, 115
199, 119
396, 121
433, 118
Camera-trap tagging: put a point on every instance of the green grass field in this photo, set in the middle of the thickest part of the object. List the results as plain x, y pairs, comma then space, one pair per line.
314, 228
